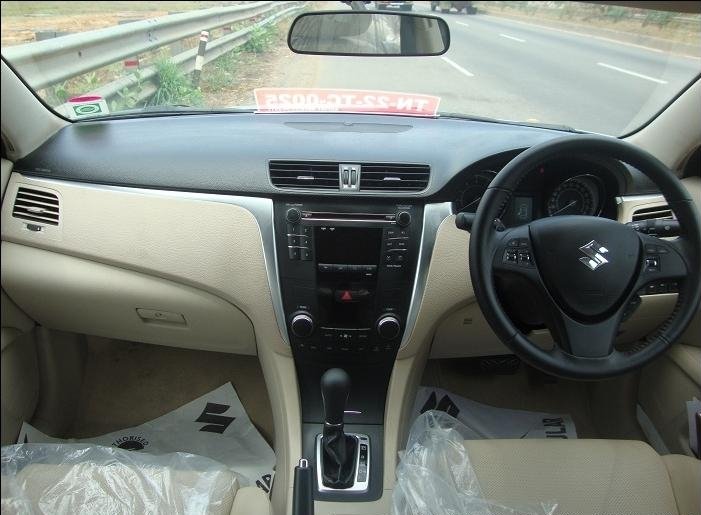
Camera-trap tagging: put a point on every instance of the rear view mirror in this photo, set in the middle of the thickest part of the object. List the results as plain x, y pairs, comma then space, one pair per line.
368, 34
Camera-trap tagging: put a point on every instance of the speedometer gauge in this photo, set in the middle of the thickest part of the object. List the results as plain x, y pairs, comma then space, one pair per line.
468, 198
576, 196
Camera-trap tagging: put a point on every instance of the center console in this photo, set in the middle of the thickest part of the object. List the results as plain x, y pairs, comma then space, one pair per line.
347, 275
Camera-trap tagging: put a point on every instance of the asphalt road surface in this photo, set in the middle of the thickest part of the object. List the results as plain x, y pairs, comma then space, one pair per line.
513, 70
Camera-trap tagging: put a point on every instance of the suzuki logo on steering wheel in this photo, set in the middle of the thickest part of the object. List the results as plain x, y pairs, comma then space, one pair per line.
595, 255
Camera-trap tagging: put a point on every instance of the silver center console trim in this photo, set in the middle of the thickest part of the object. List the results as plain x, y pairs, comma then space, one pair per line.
434, 214
358, 486
260, 208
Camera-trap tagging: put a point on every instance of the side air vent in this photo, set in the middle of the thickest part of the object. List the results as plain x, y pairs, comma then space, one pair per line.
653, 213
36, 206
393, 177
320, 175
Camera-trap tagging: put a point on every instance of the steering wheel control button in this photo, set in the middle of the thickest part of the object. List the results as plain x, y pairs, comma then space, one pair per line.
510, 256
524, 258
652, 264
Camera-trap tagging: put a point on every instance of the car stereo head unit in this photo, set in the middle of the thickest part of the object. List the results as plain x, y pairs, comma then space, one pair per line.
347, 273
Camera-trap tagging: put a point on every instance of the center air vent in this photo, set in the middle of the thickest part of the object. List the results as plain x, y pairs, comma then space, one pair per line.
653, 213
394, 177
306, 175
36, 206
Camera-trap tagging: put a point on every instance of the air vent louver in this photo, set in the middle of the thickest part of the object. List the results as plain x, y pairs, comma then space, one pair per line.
394, 177
304, 174
36, 206
653, 213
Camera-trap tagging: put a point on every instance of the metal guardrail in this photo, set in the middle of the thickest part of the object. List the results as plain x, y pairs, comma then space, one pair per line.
148, 77
49, 62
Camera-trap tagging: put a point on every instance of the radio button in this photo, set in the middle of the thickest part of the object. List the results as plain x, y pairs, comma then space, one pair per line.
323, 267
369, 268
293, 215
402, 244
293, 239
403, 219
339, 268
293, 253
306, 254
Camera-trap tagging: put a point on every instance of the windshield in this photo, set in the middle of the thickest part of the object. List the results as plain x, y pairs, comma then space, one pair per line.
593, 67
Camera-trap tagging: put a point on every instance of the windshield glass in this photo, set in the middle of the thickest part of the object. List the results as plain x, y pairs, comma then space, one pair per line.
594, 67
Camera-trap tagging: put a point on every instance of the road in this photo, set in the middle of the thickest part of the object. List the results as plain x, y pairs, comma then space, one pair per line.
512, 70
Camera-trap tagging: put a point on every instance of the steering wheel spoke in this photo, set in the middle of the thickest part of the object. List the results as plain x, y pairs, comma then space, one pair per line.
586, 339
662, 260
513, 254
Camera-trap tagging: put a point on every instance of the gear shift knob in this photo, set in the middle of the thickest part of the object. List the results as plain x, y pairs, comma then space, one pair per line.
335, 387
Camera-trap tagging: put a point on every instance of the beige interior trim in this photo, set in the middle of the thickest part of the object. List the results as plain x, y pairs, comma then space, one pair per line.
209, 246
6, 169
250, 500
675, 132
685, 475
448, 285
630, 204
25, 122
82, 296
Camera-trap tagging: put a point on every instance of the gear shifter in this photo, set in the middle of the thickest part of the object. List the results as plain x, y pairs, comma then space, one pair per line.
338, 449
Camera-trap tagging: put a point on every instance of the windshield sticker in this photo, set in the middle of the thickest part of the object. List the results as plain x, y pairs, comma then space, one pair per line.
276, 100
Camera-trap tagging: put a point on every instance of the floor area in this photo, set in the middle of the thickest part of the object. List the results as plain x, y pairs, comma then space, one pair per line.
127, 384
524, 390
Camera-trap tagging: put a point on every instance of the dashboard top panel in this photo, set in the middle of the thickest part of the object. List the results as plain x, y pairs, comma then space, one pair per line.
229, 153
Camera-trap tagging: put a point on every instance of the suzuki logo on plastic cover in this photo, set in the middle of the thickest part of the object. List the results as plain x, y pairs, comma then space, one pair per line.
594, 252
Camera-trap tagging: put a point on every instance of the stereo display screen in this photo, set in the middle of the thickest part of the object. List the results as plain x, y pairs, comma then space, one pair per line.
348, 245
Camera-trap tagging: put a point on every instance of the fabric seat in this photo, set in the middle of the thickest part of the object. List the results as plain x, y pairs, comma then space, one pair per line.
587, 477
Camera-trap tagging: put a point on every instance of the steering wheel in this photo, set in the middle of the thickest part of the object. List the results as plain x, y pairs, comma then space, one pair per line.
586, 268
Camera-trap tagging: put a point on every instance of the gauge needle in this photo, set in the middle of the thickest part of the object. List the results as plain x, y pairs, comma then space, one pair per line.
474, 201
572, 203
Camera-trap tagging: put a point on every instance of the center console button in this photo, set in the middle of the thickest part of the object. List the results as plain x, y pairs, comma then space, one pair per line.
293, 253
403, 219
302, 324
293, 215
305, 254
339, 268
324, 267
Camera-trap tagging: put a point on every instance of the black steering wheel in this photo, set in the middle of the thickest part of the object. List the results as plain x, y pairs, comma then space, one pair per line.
586, 268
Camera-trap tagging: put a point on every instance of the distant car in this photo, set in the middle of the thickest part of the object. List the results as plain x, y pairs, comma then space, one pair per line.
397, 5
445, 7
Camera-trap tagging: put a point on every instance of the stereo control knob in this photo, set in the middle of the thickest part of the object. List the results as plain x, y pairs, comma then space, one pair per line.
293, 215
302, 324
388, 327
403, 218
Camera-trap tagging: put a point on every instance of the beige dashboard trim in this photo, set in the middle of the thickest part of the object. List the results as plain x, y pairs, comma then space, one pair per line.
212, 243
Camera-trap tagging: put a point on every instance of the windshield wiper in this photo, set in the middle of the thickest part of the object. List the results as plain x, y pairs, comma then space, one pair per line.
554, 126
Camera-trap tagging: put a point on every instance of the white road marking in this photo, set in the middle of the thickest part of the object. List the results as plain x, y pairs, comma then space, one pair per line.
461, 23
634, 74
457, 67
511, 37
601, 38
